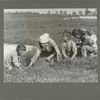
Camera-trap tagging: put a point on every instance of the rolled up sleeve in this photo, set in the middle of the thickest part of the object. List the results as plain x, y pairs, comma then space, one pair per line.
53, 43
74, 48
36, 55
64, 51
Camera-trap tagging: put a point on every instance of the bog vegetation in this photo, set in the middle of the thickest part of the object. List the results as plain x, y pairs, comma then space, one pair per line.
28, 28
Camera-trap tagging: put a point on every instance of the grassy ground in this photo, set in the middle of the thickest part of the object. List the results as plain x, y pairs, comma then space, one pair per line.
28, 29
81, 70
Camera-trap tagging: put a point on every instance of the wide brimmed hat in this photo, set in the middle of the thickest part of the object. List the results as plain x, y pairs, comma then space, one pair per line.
83, 30
44, 38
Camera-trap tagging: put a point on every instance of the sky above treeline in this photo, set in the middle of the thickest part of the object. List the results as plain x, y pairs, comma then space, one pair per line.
53, 11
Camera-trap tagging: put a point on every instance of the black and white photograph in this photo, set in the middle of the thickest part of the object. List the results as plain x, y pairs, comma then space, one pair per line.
53, 45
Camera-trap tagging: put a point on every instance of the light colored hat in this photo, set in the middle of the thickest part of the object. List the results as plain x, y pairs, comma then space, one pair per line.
83, 30
44, 38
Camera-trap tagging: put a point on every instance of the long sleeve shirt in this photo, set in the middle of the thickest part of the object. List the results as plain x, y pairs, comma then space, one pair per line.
92, 40
12, 59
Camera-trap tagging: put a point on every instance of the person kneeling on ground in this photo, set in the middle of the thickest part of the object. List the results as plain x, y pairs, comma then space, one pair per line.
89, 46
29, 58
76, 33
69, 48
22, 57
49, 49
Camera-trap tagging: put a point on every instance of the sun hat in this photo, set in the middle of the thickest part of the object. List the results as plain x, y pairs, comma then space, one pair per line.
83, 30
44, 38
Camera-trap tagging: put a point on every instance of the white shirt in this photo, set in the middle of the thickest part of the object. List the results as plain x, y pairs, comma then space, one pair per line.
94, 39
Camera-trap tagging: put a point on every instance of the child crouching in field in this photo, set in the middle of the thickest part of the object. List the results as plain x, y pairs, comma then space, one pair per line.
49, 49
22, 57
69, 48
89, 47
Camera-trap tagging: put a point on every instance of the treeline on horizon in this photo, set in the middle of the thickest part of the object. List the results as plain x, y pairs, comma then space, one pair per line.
60, 13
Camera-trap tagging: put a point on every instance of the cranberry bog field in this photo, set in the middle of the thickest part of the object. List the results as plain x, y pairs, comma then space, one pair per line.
27, 28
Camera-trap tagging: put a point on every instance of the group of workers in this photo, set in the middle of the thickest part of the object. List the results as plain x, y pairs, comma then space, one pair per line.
86, 44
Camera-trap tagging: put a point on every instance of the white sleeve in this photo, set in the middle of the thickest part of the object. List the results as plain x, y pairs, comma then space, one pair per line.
94, 38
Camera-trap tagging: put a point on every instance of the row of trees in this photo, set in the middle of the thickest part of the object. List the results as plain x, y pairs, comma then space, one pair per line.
74, 13
64, 13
